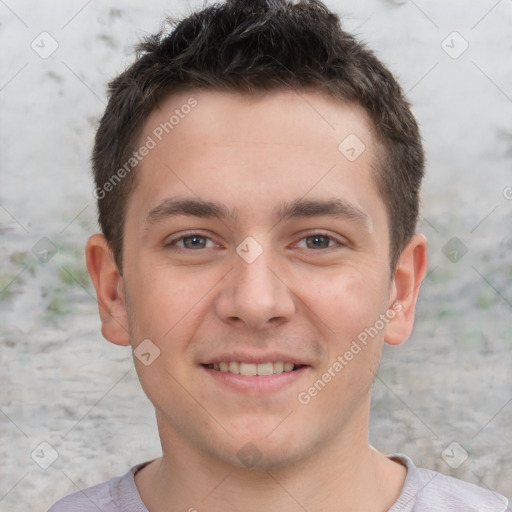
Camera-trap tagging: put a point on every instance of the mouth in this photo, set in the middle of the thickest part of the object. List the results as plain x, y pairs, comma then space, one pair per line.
254, 369
257, 379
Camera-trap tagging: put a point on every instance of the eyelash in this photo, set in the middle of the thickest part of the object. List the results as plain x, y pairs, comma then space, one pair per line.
172, 243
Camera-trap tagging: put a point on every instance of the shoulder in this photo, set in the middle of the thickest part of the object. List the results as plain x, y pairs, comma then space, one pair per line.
119, 494
452, 494
90, 499
429, 491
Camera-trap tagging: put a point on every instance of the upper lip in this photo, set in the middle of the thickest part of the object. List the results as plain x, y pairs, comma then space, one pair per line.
256, 358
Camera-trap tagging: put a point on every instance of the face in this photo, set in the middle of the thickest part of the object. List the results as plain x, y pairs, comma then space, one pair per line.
256, 243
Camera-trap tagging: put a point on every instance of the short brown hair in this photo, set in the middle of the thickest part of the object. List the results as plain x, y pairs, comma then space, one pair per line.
253, 46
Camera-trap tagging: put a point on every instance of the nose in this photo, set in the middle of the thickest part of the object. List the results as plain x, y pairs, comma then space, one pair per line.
255, 295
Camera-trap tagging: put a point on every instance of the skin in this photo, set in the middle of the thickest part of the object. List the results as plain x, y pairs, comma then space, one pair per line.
306, 297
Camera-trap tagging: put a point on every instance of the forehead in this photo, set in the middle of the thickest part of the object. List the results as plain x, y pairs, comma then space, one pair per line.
267, 117
257, 150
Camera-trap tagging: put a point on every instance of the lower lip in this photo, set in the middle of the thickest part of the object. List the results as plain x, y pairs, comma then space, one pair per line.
256, 383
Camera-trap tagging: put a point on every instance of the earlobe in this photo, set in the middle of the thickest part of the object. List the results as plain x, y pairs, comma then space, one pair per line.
409, 274
109, 287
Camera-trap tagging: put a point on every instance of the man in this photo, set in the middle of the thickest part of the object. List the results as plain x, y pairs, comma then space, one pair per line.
257, 174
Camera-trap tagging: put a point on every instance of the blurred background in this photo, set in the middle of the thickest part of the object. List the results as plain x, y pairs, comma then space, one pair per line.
72, 413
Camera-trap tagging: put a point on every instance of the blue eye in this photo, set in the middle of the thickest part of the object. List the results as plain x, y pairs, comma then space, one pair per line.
321, 241
318, 241
193, 241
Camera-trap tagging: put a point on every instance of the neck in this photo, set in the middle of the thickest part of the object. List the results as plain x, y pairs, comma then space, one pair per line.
345, 474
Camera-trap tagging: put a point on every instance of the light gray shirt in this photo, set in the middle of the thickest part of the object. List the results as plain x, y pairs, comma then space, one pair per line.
424, 490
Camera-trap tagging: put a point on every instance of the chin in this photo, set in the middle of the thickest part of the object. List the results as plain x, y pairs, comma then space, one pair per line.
268, 452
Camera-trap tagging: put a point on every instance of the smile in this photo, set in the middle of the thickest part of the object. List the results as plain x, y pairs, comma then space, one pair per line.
251, 369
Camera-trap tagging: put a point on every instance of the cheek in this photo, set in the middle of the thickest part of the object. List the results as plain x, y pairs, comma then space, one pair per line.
162, 310
350, 307
164, 301
347, 301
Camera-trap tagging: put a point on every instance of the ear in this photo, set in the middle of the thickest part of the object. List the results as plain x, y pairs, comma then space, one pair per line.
405, 286
109, 286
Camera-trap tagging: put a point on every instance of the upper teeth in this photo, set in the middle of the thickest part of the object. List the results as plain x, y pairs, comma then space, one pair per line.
253, 369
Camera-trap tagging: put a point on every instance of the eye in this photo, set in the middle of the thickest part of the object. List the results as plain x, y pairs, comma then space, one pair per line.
191, 241
320, 241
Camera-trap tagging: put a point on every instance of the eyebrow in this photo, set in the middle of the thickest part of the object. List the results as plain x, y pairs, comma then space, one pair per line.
175, 206
300, 208
335, 207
